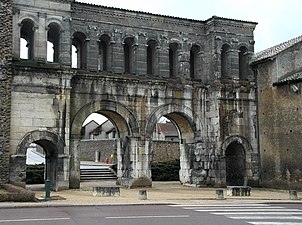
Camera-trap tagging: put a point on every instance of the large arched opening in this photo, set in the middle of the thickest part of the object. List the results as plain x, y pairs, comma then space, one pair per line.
165, 160
125, 126
182, 118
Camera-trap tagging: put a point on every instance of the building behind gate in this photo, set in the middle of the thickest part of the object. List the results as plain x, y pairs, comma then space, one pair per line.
132, 67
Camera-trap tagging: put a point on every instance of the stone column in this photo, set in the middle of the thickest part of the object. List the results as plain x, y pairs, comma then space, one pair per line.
85, 54
17, 33
18, 170
93, 55
110, 56
140, 60
184, 65
63, 172
163, 62
40, 46
65, 43
74, 175
119, 158
233, 61
140, 161
185, 170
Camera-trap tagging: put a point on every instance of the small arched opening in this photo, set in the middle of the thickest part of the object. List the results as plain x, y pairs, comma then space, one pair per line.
151, 51
194, 61
27, 39
79, 51
53, 148
235, 158
53, 42
173, 59
243, 63
104, 53
128, 54
225, 61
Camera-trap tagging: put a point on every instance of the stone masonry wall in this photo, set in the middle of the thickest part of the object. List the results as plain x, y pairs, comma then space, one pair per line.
280, 121
165, 151
104, 148
5, 85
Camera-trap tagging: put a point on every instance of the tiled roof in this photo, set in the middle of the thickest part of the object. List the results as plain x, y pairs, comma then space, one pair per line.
296, 77
270, 52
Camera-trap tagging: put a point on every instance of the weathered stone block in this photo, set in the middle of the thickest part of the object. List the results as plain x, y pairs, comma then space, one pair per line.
106, 191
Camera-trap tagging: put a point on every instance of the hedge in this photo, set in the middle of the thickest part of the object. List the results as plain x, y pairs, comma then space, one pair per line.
35, 174
165, 171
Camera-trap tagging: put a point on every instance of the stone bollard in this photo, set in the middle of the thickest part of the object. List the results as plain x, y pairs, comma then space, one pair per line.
293, 195
219, 194
142, 195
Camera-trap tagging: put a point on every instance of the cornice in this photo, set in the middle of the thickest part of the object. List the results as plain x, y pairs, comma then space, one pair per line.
138, 15
226, 22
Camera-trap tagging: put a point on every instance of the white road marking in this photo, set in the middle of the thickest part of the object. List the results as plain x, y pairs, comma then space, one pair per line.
255, 214
275, 223
233, 207
247, 210
146, 217
221, 205
29, 220
258, 213
265, 217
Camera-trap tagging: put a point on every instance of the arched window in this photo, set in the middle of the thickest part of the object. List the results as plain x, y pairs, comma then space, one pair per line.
79, 51
243, 63
128, 54
74, 57
27, 39
194, 60
53, 43
173, 58
104, 53
151, 49
225, 61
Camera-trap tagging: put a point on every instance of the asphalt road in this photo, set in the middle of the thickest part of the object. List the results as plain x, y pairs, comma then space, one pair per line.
218, 214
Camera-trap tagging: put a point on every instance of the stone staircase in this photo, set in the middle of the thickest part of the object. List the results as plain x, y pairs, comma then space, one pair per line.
97, 173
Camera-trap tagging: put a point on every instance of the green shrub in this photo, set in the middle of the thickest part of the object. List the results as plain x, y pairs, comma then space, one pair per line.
165, 171
35, 174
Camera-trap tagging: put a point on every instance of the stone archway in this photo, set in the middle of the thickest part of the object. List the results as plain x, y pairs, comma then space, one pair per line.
56, 160
237, 152
188, 126
235, 164
127, 130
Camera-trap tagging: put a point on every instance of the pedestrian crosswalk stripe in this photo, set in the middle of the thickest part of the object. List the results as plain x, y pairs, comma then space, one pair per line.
265, 217
275, 223
222, 205
258, 213
254, 214
234, 207
247, 210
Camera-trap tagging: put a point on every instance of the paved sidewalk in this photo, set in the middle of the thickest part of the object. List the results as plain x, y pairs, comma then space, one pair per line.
160, 193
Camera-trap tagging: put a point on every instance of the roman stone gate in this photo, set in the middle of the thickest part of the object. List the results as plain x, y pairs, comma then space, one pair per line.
72, 59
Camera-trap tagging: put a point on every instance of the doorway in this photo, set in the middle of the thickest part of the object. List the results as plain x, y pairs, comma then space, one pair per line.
235, 164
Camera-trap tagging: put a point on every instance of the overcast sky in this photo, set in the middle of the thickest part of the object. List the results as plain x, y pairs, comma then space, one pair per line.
278, 20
